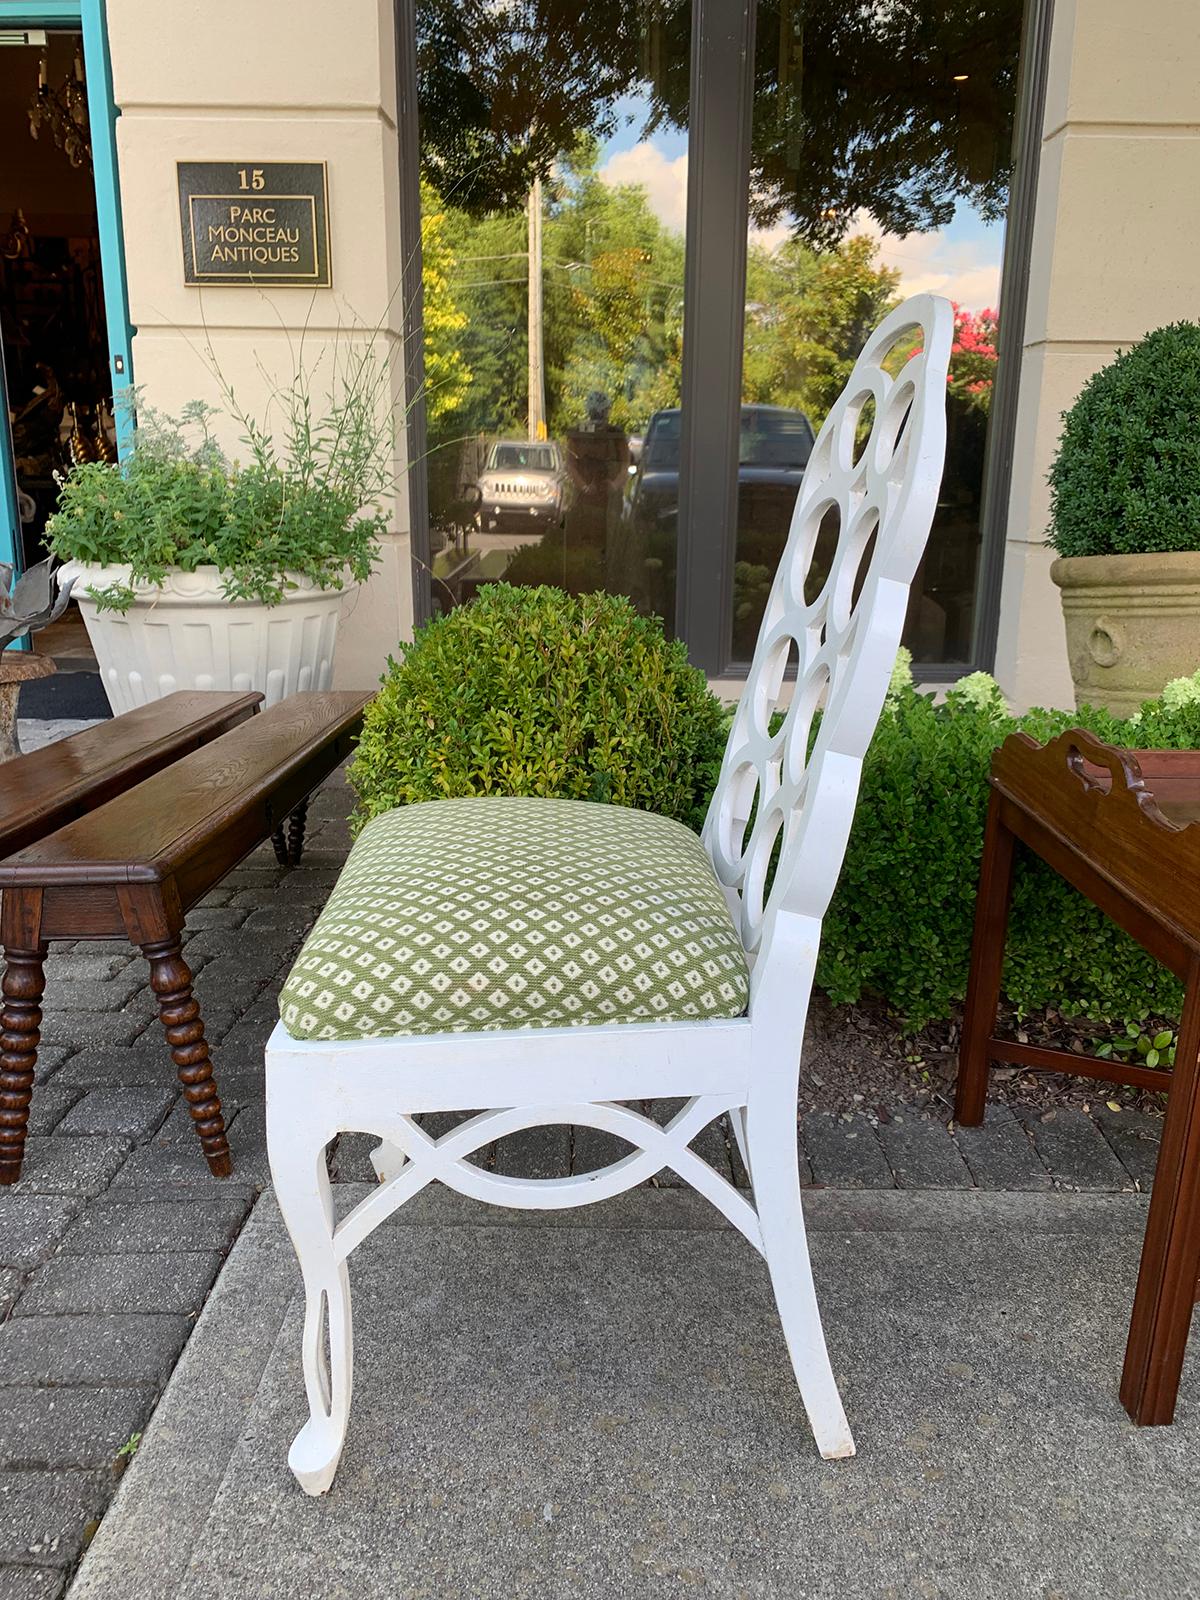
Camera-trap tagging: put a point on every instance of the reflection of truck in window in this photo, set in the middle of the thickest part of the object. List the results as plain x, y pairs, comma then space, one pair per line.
773, 449
773, 452
522, 483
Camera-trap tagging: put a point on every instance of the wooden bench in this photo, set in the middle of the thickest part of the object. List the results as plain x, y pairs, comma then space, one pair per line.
47, 788
134, 866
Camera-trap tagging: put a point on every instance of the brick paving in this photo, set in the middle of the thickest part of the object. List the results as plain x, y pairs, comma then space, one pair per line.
111, 1241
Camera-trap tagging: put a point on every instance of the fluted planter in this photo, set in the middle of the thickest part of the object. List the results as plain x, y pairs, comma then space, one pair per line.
1133, 624
185, 634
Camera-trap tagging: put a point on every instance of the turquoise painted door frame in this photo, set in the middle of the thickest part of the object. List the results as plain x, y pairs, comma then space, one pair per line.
102, 117
89, 17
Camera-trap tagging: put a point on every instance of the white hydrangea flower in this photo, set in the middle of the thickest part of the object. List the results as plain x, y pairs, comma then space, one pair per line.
901, 677
980, 689
1182, 692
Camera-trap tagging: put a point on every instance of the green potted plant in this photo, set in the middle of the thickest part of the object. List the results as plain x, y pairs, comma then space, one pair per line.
1125, 522
192, 571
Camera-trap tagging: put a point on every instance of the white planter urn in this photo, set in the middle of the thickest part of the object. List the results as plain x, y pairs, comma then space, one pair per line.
184, 634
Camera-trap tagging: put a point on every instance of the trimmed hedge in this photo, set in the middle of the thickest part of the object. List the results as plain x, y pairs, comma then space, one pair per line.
535, 692
901, 919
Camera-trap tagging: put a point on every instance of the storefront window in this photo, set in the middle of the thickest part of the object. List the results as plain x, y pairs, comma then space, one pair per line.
881, 158
554, 162
555, 190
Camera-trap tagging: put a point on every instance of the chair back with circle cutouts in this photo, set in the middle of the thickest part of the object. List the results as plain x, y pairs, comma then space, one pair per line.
780, 817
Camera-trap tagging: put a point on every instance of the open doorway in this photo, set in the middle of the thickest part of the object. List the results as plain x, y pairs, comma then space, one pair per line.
58, 389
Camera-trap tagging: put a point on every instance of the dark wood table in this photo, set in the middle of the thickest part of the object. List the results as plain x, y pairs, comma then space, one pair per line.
1121, 827
133, 866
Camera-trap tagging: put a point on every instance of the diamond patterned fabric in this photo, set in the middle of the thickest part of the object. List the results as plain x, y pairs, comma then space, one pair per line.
484, 913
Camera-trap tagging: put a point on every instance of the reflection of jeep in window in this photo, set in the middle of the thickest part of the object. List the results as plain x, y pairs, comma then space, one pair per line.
521, 483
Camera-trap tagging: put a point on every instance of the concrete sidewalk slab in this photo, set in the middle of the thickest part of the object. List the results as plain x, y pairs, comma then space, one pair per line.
598, 1403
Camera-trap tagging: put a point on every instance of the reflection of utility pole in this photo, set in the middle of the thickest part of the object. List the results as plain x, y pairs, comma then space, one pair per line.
537, 370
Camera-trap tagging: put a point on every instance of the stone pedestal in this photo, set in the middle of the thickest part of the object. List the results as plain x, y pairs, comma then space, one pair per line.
16, 667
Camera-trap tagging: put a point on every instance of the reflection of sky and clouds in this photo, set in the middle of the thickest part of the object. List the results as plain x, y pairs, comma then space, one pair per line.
961, 260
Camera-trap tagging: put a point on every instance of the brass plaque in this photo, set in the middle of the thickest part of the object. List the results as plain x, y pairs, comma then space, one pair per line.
263, 223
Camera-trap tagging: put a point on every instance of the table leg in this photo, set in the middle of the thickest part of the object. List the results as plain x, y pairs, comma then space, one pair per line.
20, 1024
987, 966
296, 825
179, 1012
288, 838
1162, 1305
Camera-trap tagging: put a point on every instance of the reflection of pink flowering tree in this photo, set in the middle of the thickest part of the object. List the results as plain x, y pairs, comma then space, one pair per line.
973, 357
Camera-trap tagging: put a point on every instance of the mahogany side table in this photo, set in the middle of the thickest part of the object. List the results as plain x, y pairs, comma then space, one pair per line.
1121, 826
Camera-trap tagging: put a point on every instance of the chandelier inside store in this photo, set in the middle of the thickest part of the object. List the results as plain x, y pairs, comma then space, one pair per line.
62, 112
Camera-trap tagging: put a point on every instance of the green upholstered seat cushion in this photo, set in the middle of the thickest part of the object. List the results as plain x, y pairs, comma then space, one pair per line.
466, 915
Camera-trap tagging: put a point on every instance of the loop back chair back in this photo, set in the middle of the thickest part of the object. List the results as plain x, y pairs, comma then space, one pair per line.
774, 838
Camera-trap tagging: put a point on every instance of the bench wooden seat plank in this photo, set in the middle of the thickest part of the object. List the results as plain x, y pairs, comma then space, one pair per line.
136, 864
256, 773
45, 789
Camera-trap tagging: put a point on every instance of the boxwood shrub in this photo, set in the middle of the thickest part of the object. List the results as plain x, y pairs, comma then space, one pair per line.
536, 692
1126, 480
901, 920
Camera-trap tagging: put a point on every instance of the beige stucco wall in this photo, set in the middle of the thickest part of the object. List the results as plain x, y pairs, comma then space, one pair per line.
276, 80
1116, 242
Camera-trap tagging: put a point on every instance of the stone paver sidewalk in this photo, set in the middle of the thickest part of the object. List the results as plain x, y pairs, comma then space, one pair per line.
599, 1404
112, 1240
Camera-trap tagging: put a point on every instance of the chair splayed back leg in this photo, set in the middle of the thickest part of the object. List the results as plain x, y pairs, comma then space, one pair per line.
716, 1005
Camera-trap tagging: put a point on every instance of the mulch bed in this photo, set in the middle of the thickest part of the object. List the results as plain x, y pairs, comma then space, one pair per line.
859, 1058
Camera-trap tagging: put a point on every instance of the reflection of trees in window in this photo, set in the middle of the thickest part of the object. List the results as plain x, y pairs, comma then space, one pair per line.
613, 296
808, 315
973, 357
900, 108
506, 85
897, 110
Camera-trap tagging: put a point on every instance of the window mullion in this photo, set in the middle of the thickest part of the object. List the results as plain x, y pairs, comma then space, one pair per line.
722, 93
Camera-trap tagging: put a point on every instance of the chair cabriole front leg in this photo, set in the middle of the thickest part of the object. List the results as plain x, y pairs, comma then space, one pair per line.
302, 1189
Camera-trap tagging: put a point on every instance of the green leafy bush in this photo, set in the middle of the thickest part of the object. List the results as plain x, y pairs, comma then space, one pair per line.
1126, 479
901, 920
307, 501
535, 692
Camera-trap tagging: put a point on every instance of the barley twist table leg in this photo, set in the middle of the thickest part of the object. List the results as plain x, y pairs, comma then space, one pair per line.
179, 1012
20, 1025
295, 838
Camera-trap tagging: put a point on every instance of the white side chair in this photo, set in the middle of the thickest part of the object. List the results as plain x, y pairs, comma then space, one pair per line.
376, 1049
